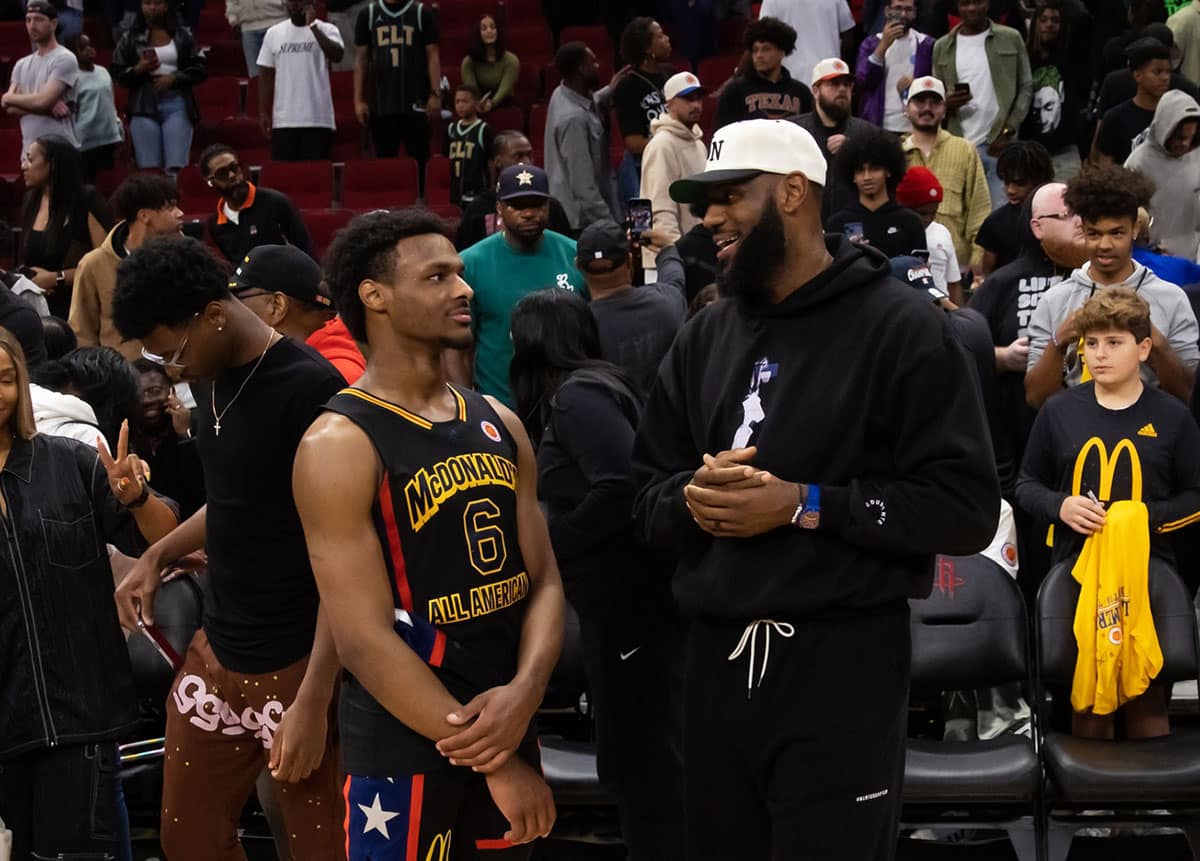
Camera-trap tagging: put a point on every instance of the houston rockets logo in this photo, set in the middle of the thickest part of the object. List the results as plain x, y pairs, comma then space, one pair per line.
947, 580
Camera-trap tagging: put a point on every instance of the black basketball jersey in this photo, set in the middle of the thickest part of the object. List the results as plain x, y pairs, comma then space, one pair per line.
397, 37
446, 518
469, 148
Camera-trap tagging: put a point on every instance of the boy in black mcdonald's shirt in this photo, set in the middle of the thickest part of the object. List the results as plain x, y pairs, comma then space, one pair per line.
419, 506
1114, 438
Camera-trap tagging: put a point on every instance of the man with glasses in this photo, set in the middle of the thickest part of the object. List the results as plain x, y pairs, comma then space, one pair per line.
258, 679
248, 216
148, 206
283, 286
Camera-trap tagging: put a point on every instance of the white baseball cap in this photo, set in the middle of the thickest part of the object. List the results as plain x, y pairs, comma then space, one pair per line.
927, 85
741, 151
833, 67
682, 84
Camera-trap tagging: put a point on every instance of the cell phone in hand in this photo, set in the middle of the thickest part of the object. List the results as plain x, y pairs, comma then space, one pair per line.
962, 87
149, 55
641, 216
161, 644
854, 231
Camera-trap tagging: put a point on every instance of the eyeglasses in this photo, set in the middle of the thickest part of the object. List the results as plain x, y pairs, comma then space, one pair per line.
173, 362
1055, 216
227, 172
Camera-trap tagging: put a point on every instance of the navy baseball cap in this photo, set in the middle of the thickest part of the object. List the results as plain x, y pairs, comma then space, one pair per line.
601, 240
42, 7
522, 180
281, 269
914, 272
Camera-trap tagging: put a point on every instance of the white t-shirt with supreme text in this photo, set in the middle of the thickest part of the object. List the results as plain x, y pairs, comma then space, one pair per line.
303, 99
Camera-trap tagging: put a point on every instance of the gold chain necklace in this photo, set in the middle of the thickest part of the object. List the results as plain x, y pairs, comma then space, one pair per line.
217, 418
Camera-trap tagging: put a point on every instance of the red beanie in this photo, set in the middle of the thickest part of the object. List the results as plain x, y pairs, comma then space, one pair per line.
918, 188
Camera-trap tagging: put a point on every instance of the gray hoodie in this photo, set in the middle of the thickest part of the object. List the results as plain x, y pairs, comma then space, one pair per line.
1170, 313
1176, 202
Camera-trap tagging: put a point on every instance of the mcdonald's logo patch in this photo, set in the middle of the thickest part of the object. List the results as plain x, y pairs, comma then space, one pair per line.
1149, 431
1108, 468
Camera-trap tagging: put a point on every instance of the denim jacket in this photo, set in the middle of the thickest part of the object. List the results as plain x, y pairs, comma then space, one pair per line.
1011, 76
65, 676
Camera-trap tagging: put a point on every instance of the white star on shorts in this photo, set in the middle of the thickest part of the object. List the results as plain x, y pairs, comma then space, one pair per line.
377, 818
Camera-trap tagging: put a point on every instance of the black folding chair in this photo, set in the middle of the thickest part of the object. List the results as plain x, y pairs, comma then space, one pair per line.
971, 632
1124, 782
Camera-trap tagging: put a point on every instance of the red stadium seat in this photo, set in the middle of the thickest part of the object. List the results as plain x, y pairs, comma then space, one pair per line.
99, 31
10, 152
437, 181
219, 97
506, 118
528, 42
379, 183
14, 39
195, 197
594, 36
238, 132
213, 27
537, 126
322, 224
708, 118
226, 58
453, 46
529, 85
108, 180
460, 13
341, 86
308, 184
755, 11
714, 71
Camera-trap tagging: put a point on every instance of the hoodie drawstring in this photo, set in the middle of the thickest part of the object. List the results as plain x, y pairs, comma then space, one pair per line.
750, 635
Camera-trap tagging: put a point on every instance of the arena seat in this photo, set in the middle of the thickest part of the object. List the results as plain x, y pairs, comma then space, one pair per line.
971, 632
595, 36
379, 183
219, 97
437, 180
529, 85
226, 57
308, 184
714, 71
322, 224
1116, 782
529, 42
506, 117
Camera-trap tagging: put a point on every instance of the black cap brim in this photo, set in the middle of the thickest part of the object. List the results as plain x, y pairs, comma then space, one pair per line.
695, 188
540, 194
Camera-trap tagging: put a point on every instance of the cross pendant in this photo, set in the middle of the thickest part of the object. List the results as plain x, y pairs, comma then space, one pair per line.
217, 427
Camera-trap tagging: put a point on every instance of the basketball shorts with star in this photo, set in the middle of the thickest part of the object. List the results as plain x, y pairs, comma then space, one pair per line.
404, 801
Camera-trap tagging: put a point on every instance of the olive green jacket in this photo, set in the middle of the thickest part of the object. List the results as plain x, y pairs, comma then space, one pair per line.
1011, 77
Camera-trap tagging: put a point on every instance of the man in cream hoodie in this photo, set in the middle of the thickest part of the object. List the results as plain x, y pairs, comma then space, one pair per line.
676, 150
1106, 199
1168, 156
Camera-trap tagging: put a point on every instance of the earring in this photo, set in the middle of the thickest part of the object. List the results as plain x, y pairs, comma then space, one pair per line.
220, 328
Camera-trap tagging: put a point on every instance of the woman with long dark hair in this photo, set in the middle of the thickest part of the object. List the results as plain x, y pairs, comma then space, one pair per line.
158, 62
66, 687
581, 414
490, 68
63, 219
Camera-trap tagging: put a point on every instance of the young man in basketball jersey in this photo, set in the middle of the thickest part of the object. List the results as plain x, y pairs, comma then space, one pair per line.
397, 71
469, 146
419, 506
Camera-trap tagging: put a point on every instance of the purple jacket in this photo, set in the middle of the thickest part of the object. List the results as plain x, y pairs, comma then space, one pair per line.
871, 78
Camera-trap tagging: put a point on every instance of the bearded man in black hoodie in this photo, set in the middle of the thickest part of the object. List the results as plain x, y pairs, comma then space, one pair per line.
811, 442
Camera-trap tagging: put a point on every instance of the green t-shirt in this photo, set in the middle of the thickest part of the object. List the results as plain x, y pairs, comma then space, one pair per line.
500, 276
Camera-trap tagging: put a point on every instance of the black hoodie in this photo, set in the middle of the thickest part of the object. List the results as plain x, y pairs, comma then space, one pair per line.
863, 388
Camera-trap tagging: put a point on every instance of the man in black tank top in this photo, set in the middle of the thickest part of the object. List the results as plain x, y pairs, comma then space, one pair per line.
433, 562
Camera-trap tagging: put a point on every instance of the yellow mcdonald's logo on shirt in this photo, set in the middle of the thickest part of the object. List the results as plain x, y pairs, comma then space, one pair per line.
439, 848
1108, 467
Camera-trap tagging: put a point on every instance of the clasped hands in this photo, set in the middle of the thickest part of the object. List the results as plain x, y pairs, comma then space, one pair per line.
730, 498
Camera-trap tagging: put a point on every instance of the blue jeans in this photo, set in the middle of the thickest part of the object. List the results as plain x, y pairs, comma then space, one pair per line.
164, 142
629, 180
995, 184
252, 42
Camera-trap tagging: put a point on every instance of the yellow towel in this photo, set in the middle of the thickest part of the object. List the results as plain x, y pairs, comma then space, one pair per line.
1118, 647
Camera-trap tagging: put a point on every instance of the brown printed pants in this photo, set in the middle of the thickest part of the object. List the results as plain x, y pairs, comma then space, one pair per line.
220, 726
